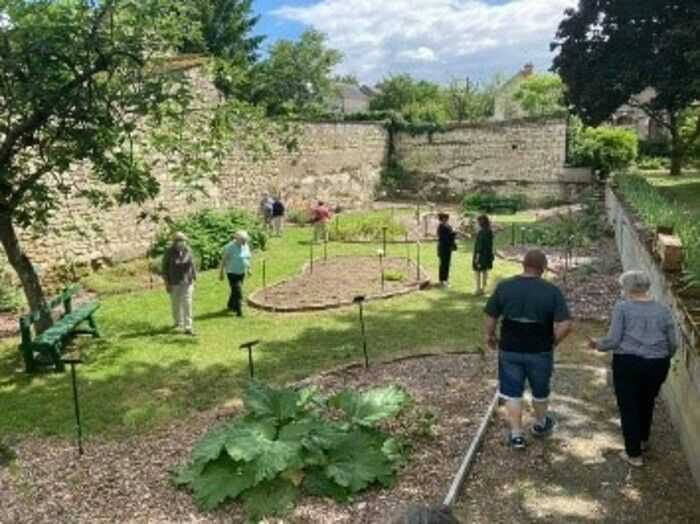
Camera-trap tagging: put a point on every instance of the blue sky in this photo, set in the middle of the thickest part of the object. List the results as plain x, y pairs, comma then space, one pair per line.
433, 39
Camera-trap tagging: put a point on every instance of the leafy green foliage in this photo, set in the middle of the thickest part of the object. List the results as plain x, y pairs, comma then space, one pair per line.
288, 440
295, 74
657, 210
485, 198
467, 102
10, 297
604, 148
541, 95
208, 232
365, 227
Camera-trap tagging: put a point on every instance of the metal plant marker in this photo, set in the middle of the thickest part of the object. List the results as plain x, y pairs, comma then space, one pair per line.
73, 362
249, 346
359, 300
384, 239
418, 260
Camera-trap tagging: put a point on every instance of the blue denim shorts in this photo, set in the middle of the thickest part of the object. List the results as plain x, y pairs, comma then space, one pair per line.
514, 368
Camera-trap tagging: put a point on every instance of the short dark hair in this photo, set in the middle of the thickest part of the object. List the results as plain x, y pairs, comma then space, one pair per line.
483, 220
535, 259
443, 216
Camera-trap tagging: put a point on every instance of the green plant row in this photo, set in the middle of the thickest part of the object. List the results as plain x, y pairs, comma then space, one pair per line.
363, 227
657, 210
208, 232
287, 442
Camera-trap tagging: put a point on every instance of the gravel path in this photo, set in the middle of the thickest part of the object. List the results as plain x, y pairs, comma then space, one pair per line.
127, 480
576, 475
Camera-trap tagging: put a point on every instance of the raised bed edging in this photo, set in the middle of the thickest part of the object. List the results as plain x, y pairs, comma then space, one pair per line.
255, 301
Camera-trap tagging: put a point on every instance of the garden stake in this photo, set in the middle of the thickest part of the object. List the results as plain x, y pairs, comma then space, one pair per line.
264, 274
311, 258
384, 239
359, 300
425, 226
418, 261
381, 267
512, 234
249, 346
73, 362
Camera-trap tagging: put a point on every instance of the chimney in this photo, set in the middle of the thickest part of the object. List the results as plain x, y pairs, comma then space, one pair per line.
528, 69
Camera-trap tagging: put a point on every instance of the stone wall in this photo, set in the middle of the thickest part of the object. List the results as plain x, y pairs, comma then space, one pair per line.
522, 156
682, 389
340, 163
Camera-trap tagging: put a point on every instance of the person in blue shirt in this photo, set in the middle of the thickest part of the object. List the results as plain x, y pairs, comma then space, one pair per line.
235, 261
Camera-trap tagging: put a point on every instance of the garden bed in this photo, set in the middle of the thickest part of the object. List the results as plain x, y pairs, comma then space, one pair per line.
129, 479
335, 282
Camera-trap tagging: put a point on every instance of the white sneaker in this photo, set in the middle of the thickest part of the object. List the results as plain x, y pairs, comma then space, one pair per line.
637, 462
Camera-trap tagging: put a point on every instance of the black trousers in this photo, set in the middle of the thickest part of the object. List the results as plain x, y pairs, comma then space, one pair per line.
637, 383
235, 282
445, 261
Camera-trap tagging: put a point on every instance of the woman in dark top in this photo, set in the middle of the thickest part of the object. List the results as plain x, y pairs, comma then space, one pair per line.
446, 245
483, 253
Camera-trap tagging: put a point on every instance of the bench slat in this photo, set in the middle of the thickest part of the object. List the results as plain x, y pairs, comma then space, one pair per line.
65, 325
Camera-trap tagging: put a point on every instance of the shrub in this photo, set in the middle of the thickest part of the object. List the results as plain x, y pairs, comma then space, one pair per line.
288, 441
483, 198
209, 231
299, 216
604, 148
653, 162
364, 227
10, 296
657, 210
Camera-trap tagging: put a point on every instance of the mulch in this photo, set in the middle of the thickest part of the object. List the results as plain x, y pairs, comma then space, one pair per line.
591, 285
128, 480
337, 281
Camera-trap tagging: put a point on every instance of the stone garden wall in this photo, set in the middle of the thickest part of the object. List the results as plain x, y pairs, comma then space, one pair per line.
520, 156
682, 389
341, 163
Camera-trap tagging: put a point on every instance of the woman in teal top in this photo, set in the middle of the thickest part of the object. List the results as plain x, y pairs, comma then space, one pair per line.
235, 260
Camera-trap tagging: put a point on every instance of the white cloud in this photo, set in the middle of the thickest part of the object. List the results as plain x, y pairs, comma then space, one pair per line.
435, 39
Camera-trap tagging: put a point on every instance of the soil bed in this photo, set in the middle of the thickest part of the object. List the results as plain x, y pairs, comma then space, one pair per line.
127, 480
336, 281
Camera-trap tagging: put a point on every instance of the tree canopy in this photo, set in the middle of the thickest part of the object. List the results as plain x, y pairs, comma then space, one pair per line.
609, 51
541, 95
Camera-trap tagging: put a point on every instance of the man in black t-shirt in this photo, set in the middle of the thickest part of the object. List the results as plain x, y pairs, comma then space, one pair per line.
535, 320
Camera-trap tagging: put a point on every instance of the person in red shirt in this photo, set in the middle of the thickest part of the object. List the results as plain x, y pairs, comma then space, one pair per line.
320, 220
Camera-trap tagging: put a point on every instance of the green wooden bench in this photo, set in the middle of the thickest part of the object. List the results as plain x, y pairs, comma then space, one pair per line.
503, 204
47, 347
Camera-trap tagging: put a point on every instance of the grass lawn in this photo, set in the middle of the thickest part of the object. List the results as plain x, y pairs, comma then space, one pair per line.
684, 190
140, 373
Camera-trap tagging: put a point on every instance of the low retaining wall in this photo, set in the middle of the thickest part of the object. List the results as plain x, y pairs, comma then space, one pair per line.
682, 389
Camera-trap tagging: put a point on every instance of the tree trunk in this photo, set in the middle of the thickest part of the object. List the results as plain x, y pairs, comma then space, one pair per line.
24, 269
676, 145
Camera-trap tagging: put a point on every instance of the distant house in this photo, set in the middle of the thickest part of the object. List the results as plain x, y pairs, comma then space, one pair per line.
350, 98
505, 106
634, 118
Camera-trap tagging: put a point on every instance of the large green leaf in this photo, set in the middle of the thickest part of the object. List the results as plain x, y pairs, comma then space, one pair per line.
212, 443
246, 440
369, 407
269, 499
219, 480
279, 405
275, 456
356, 461
318, 484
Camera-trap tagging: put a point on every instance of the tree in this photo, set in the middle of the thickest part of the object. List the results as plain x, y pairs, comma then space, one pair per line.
296, 75
611, 50
91, 83
541, 95
466, 101
398, 92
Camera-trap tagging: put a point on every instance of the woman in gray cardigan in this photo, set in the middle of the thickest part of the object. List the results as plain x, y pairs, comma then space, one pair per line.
642, 337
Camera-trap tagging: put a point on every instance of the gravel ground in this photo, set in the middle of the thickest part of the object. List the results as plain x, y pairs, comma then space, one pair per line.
577, 475
127, 480
339, 280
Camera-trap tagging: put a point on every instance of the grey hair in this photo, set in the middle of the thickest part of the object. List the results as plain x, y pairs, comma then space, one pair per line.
635, 282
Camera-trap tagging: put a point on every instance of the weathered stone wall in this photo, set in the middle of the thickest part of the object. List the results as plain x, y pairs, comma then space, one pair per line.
522, 156
682, 389
340, 163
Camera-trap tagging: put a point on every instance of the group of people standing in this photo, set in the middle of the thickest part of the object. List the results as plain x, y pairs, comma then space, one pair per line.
482, 259
534, 320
